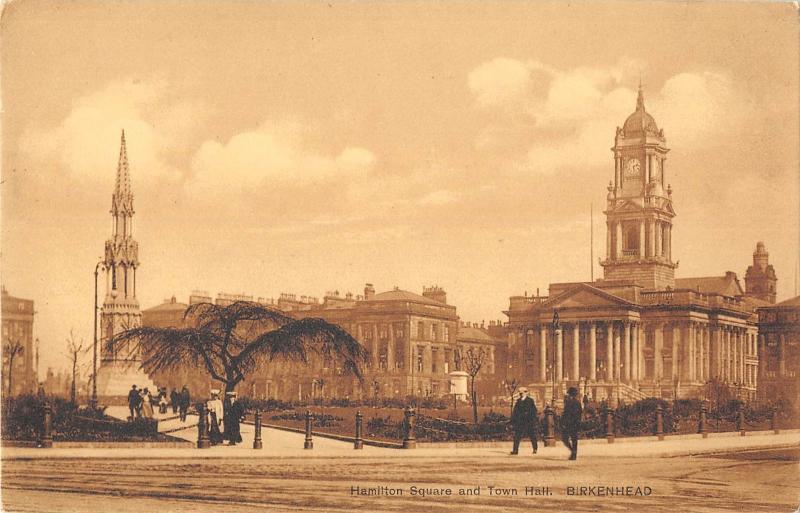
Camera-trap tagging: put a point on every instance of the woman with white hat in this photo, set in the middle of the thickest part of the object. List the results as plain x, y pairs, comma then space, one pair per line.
215, 414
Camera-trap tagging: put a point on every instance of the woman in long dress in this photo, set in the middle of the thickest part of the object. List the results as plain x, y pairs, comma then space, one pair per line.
214, 407
147, 404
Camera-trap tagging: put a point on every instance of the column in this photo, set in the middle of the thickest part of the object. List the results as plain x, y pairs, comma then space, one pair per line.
626, 354
658, 238
781, 355
658, 344
576, 341
742, 351
651, 241
676, 351
542, 353
635, 372
692, 353
390, 351
376, 357
617, 181
617, 354
559, 357
608, 241
641, 239
593, 351
668, 242
609, 352
618, 244
641, 343
707, 345
716, 350
728, 355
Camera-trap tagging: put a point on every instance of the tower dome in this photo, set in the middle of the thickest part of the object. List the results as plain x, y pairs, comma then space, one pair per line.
640, 122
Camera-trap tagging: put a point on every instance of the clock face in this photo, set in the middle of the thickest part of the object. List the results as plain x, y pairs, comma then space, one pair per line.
633, 169
655, 171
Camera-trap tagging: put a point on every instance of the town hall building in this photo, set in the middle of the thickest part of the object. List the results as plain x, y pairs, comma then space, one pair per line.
639, 331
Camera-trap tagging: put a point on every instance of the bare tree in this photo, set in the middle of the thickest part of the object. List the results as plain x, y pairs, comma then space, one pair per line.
474, 363
12, 348
74, 348
511, 388
230, 341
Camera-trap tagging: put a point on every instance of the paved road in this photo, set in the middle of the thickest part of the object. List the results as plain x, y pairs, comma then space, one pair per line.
758, 481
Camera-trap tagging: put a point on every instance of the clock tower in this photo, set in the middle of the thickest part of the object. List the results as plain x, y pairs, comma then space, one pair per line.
639, 210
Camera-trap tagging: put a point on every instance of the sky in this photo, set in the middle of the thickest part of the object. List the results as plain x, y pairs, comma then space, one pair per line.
307, 147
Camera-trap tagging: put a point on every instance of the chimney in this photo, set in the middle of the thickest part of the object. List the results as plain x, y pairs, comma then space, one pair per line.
436, 293
369, 291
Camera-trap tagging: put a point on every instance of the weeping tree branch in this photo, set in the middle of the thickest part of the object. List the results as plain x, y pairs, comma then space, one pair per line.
230, 341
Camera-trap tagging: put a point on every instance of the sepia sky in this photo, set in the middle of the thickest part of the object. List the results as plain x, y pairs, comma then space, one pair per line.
304, 147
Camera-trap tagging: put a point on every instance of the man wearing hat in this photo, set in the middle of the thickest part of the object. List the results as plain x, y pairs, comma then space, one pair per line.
134, 401
233, 415
525, 420
571, 422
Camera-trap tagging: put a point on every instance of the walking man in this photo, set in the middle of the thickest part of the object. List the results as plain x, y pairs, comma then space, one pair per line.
525, 420
571, 422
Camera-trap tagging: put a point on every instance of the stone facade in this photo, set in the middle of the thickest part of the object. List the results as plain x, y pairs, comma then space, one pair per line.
779, 351
637, 332
18, 328
415, 341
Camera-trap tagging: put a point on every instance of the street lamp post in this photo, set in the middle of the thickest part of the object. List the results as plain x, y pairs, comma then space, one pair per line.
93, 400
553, 353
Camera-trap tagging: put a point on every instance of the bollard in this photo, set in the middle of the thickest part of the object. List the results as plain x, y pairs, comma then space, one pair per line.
659, 422
740, 421
549, 427
46, 436
409, 439
702, 427
609, 418
309, 443
358, 443
257, 439
773, 421
202, 431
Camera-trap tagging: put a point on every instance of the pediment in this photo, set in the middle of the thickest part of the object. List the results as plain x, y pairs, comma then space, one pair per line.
585, 296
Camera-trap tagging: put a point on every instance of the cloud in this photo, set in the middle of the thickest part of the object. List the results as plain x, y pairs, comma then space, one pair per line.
274, 154
566, 117
85, 145
499, 81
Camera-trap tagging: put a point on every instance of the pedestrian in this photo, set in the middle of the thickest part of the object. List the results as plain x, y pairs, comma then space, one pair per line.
571, 422
525, 420
147, 404
183, 402
585, 404
234, 413
173, 401
216, 417
133, 402
162, 400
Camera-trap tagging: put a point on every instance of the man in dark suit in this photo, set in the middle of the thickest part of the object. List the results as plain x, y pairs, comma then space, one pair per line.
571, 422
183, 402
525, 421
134, 401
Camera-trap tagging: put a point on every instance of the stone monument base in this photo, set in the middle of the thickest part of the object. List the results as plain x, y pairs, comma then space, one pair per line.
115, 378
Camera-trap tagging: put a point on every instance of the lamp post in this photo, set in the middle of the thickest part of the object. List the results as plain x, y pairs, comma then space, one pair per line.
93, 400
553, 353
